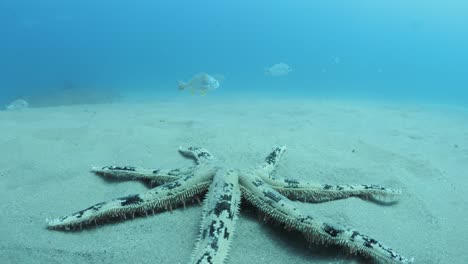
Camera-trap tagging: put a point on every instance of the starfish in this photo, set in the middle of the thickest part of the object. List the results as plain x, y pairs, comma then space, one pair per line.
270, 194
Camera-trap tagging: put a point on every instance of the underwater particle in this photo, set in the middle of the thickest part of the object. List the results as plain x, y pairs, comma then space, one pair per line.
17, 105
201, 82
279, 69
336, 60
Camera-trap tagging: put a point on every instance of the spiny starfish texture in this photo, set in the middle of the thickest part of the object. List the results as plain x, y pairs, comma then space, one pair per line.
224, 188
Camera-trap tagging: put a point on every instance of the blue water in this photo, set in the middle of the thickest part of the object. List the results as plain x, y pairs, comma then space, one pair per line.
397, 50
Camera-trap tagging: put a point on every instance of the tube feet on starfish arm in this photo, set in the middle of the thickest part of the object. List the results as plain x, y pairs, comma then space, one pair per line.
317, 193
281, 209
220, 210
312, 192
154, 176
159, 198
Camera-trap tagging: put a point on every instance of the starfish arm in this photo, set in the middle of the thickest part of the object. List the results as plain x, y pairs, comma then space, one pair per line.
199, 155
155, 176
162, 197
220, 210
314, 192
271, 161
281, 209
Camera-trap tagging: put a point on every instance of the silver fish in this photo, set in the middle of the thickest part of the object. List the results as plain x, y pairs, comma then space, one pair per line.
201, 82
279, 69
17, 105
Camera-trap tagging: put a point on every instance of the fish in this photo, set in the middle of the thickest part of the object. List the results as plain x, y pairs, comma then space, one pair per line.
279, 69
201, 82
17, 105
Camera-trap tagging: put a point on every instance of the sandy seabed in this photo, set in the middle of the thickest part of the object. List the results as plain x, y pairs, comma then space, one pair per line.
46, 153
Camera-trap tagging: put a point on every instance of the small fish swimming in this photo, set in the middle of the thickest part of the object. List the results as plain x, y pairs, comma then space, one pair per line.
17, 105
201, 82
279, 69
